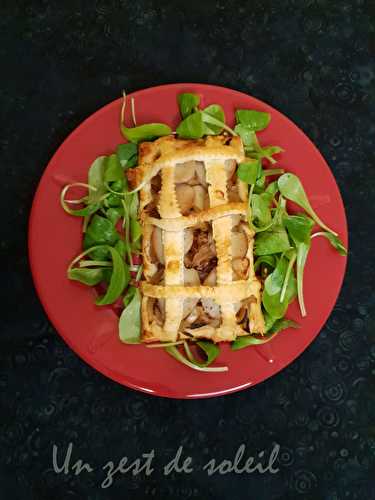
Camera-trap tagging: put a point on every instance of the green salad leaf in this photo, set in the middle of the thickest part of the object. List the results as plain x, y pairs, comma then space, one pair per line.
273, 284
96, 180
188, 103
248, 171
146, 132
127, 155
130, 319
89, 277
282, 324
113, 171
247, 135
191, 127
101, 231
114, 214
131, 291
272, 188
266, 264
119, 279
211, 116
210, 350
214, 111
121, 247
253, 120
250, 340
299, 228
272, 241
260, 206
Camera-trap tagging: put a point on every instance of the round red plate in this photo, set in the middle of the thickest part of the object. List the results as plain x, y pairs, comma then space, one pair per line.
91, 331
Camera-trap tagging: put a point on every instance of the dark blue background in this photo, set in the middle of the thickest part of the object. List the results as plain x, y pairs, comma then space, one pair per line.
314, 61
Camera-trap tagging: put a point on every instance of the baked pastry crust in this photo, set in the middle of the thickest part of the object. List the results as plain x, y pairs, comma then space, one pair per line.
161, 157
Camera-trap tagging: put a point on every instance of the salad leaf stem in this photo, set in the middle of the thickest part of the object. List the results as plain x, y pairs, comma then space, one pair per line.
139, 273
81, 212
188, 352
334, 240
144, 181
79, 201
126, 226
287, 275
249, 340
175, 353
302, 252
117, 193
132, 103
86, 221
273, 171
83, 254
92, 263
165, 344
249, 213
207, 118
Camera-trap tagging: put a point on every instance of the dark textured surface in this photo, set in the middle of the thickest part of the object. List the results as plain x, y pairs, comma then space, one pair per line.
314, 61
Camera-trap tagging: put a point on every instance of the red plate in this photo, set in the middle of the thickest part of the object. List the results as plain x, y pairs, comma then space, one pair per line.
91, 331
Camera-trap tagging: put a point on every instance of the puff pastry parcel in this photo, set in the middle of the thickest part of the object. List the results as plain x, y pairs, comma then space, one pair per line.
199, 278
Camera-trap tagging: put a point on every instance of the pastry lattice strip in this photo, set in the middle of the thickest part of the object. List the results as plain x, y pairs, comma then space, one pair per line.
163, 156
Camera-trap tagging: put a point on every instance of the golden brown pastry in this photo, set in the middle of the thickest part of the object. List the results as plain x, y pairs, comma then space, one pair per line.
199, 277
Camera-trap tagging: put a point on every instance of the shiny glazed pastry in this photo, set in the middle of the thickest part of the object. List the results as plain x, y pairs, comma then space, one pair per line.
199, 279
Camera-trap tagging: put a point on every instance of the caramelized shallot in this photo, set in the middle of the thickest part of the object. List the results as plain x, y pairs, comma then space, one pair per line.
184, 172
230, 167
236, 219
204, 254
209, 305
188, 240
157, 244
211, 278
240, 267
191, 278
185, 197
200, 173
233, 194
154, 313
239, 245
201, 199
